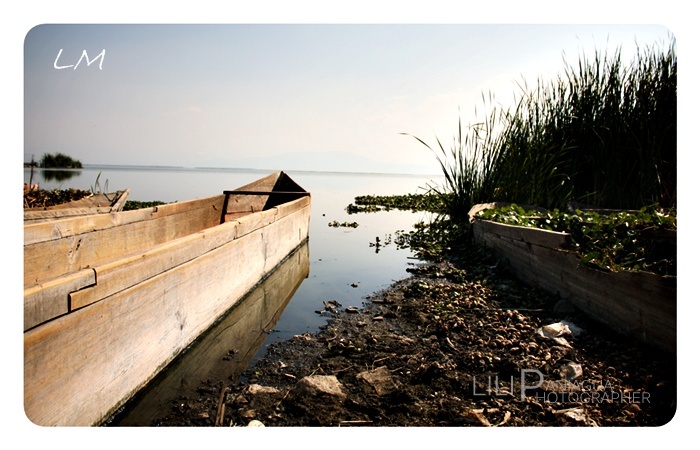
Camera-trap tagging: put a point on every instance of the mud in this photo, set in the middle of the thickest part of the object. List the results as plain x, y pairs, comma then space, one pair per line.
449, 345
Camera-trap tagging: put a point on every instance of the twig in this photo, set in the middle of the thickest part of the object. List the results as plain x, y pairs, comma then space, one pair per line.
221, 407
382, 359
282, 399
335, 335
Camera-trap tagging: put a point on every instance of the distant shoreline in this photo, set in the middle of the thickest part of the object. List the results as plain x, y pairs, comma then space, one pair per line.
230, 169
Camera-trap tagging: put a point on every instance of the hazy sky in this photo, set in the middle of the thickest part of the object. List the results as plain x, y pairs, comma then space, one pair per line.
318, 96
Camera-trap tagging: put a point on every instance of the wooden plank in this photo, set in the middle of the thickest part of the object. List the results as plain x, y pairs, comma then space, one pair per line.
254, 222
214, 203
45, 231
292, 227
49, 300
290, 207
78, 251
118, 205
54, 214
82, 366
267, 193
545, 238
243, 205
123, 273
41, 232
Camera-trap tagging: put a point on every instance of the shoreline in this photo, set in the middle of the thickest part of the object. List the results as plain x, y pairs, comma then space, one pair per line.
430, 350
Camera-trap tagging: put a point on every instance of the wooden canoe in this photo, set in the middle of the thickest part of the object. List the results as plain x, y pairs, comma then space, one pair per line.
94, 204
226, 349
111, 299
638, 304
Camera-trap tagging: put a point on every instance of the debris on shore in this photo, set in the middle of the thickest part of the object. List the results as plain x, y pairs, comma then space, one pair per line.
447, 346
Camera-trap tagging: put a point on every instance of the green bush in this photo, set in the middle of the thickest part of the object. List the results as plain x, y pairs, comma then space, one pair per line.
59, 160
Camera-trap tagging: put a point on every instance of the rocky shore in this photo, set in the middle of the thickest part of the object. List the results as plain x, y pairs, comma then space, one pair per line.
450, 345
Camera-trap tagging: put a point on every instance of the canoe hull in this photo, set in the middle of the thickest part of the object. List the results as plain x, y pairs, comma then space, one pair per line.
226, 349
81, 366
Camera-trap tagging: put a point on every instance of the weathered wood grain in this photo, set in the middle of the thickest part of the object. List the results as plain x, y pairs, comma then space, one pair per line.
637, 304
93, 240
97, 334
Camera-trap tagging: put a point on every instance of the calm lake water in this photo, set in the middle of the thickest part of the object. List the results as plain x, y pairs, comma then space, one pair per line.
342, 265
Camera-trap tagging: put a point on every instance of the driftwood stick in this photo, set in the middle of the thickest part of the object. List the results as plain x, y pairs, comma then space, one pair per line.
345, 423
221, 407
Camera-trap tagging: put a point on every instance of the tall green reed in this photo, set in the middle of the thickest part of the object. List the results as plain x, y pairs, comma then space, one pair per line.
466, 165
602, 134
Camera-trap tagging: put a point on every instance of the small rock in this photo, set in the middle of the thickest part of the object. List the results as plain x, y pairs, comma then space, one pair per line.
352, 310
255, 423
248, 414
380, 379
319, 385
572, 371
556, 332
258, 389
576, 415
237, 399
633, 408
331, 305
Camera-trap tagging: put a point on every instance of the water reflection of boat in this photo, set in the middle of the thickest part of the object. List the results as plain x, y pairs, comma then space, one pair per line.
111, 299
93, 204
225, 350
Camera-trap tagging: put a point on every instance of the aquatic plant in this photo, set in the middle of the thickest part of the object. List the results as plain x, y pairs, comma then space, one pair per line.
404, 202
603, 134
619, 240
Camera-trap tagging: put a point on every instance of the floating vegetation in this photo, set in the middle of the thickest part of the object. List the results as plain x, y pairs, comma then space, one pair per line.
377, 244
638, 240
336, 224
405, 202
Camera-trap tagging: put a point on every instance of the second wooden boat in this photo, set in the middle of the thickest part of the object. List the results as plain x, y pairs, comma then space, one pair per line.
93, 204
